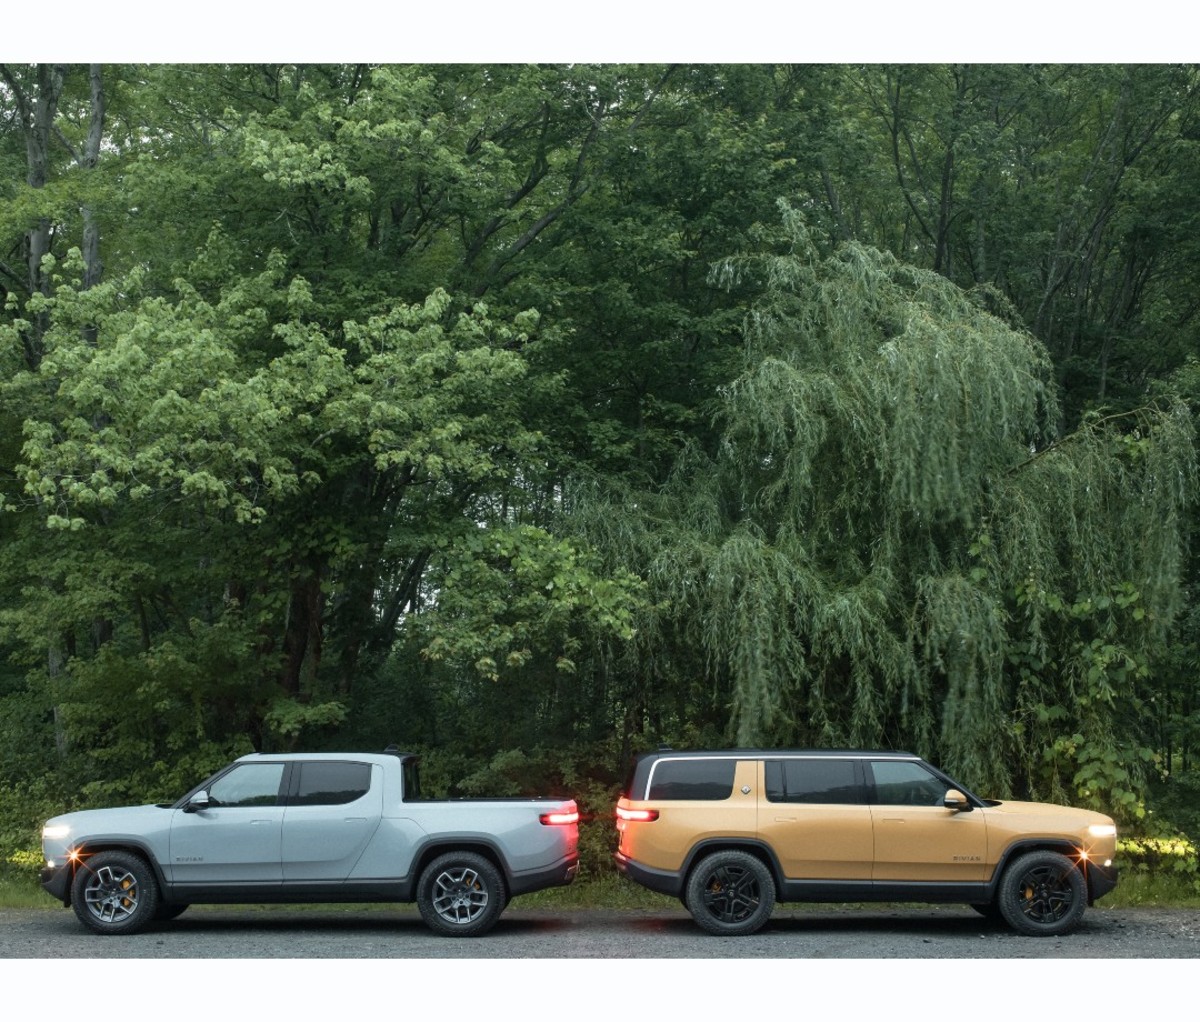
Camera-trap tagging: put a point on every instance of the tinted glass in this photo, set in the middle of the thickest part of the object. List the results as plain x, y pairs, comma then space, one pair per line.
332, 784
693, 779
412, 781
813, 781
906, 784
252, 784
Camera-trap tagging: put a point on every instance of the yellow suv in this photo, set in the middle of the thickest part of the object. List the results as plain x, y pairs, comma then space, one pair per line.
732, 832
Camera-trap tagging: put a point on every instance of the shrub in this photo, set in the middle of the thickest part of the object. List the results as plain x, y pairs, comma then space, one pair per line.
1173, 857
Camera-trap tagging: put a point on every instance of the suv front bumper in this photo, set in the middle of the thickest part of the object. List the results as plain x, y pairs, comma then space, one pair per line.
1100, 880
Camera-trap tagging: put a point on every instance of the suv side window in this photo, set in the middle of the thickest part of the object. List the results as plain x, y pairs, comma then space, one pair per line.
331, 784
900, 783
814, 781
705, 780
250, 784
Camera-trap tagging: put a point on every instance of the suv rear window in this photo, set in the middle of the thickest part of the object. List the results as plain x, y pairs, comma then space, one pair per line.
693, 779
813, 781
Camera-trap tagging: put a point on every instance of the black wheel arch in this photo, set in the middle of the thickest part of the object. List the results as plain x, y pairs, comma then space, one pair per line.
1018, 848
759, 849
86, 849
479, 846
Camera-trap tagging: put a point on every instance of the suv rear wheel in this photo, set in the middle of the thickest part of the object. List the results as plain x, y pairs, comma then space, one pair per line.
730, 894
1042, 894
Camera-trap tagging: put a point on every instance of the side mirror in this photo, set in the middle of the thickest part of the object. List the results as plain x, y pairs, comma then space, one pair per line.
957, 801
197, 802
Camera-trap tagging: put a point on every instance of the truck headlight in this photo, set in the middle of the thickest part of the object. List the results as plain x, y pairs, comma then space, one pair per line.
55, 832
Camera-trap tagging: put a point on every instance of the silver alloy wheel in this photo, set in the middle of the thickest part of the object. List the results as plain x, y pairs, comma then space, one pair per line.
459, 895
111, 894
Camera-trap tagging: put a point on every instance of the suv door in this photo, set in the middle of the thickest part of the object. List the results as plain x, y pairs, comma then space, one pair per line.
332, 812
237, 838
916, 837
816, 818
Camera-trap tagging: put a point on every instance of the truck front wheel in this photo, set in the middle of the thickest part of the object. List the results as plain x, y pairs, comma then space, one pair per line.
460, 894
114, 892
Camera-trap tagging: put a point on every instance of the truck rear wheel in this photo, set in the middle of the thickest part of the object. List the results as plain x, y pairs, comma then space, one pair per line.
460, 894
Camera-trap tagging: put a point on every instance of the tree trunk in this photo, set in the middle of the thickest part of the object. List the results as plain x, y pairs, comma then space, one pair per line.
36, 115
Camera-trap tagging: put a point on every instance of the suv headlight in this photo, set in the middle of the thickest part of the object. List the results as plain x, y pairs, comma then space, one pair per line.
1103, 830
55, 831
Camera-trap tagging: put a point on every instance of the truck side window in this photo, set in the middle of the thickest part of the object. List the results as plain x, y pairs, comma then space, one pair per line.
331, 784
412, 781
692, 779
251, 784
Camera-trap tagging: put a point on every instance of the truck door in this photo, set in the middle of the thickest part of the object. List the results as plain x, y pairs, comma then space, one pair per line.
332, 811
236, 839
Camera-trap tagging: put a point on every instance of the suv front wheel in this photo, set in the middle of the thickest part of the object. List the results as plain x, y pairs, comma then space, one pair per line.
1042, 894
730, 894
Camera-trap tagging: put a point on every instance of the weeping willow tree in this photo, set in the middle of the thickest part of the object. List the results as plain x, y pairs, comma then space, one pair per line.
894, 544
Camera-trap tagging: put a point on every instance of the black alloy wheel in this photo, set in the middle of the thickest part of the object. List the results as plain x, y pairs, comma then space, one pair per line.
730, 894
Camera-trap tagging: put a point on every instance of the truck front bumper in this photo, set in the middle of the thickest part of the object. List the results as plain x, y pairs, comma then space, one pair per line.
56, 881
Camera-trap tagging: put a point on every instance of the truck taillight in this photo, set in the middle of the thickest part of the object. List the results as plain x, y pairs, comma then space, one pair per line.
560, 819
637, 815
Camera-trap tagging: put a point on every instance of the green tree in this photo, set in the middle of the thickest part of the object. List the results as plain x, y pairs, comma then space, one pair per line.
891, 543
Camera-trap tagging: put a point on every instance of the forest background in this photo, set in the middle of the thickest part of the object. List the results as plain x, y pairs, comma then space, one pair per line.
529, 416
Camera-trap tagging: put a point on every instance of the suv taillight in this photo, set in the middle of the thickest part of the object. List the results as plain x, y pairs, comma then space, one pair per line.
637, 815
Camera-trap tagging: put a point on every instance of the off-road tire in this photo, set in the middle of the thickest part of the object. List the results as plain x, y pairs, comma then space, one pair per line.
730, 894
115, 893
461, 894
1042, 894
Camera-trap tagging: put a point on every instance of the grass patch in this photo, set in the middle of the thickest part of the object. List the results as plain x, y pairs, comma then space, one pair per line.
1143, 890
19, 890
606, 891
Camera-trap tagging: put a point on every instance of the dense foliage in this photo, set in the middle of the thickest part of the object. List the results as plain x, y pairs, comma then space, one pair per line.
530, 415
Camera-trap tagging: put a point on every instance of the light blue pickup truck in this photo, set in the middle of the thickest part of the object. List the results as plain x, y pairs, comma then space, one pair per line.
319, 827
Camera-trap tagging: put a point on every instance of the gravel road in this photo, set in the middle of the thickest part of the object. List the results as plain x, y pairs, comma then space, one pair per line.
309, 964
805, 932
